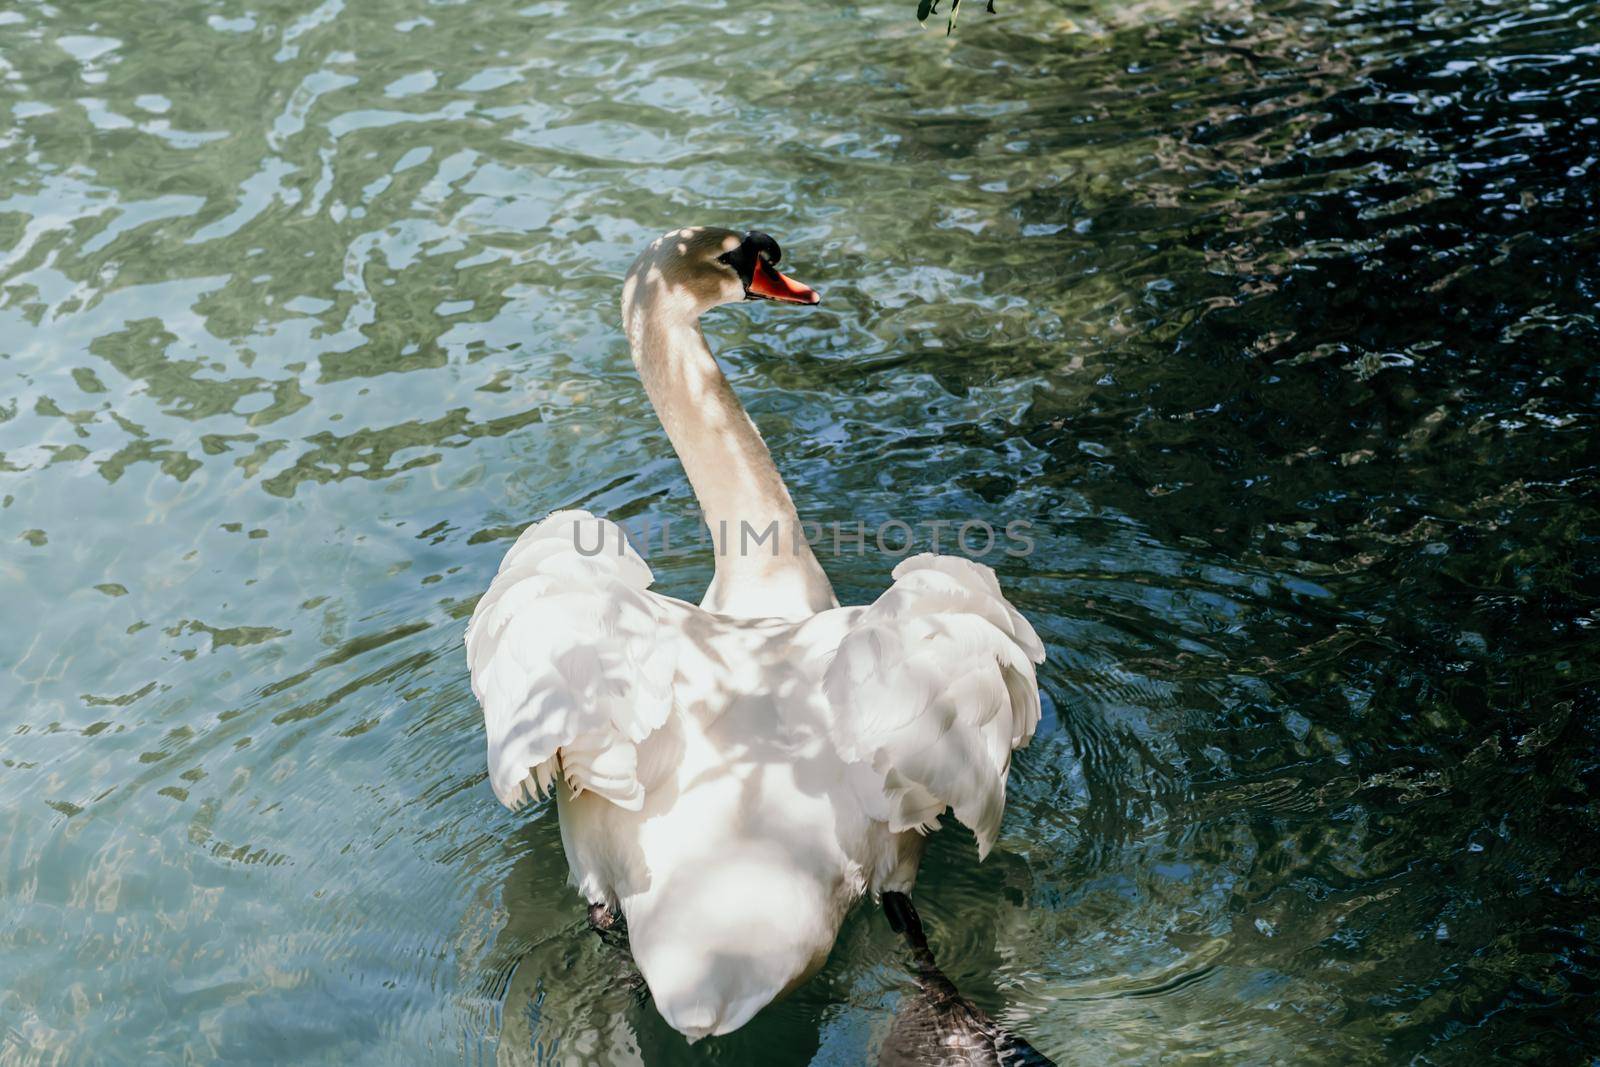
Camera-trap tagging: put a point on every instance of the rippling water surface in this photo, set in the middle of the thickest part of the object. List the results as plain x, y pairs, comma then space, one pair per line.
1277, 321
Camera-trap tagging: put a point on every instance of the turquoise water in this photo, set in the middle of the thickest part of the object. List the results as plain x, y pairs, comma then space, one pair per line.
1276, 321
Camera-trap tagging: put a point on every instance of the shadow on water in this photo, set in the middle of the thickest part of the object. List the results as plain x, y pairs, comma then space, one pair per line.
1275, 320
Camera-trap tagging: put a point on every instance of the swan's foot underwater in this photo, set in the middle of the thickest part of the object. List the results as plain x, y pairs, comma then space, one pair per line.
609, 926
602, 918
938, 1027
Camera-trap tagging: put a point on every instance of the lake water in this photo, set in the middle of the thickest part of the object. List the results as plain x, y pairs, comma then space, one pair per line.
1276, 321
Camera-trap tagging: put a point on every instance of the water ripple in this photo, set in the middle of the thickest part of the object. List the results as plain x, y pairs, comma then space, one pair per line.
1273, 320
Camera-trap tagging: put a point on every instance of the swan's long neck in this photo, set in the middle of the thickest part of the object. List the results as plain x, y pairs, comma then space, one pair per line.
764, 565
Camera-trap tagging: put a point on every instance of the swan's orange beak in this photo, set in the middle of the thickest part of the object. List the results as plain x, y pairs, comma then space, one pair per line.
769, 283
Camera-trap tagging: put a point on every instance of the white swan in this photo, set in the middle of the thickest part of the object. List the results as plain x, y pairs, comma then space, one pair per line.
733, 777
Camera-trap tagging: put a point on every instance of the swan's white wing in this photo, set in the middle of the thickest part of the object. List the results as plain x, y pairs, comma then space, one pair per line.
571, 662
934, 688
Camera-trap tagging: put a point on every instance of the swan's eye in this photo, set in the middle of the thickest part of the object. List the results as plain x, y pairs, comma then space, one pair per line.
763, 245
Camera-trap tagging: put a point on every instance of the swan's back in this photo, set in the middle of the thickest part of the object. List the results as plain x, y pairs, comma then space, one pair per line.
738, 869
733, 786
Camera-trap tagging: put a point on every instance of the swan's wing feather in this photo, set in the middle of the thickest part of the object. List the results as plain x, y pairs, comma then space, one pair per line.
934, 687
571, 661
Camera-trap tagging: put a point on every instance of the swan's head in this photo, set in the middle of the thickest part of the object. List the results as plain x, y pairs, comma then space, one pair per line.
701, 267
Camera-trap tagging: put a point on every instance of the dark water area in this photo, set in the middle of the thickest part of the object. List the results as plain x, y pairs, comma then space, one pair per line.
1277, 323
